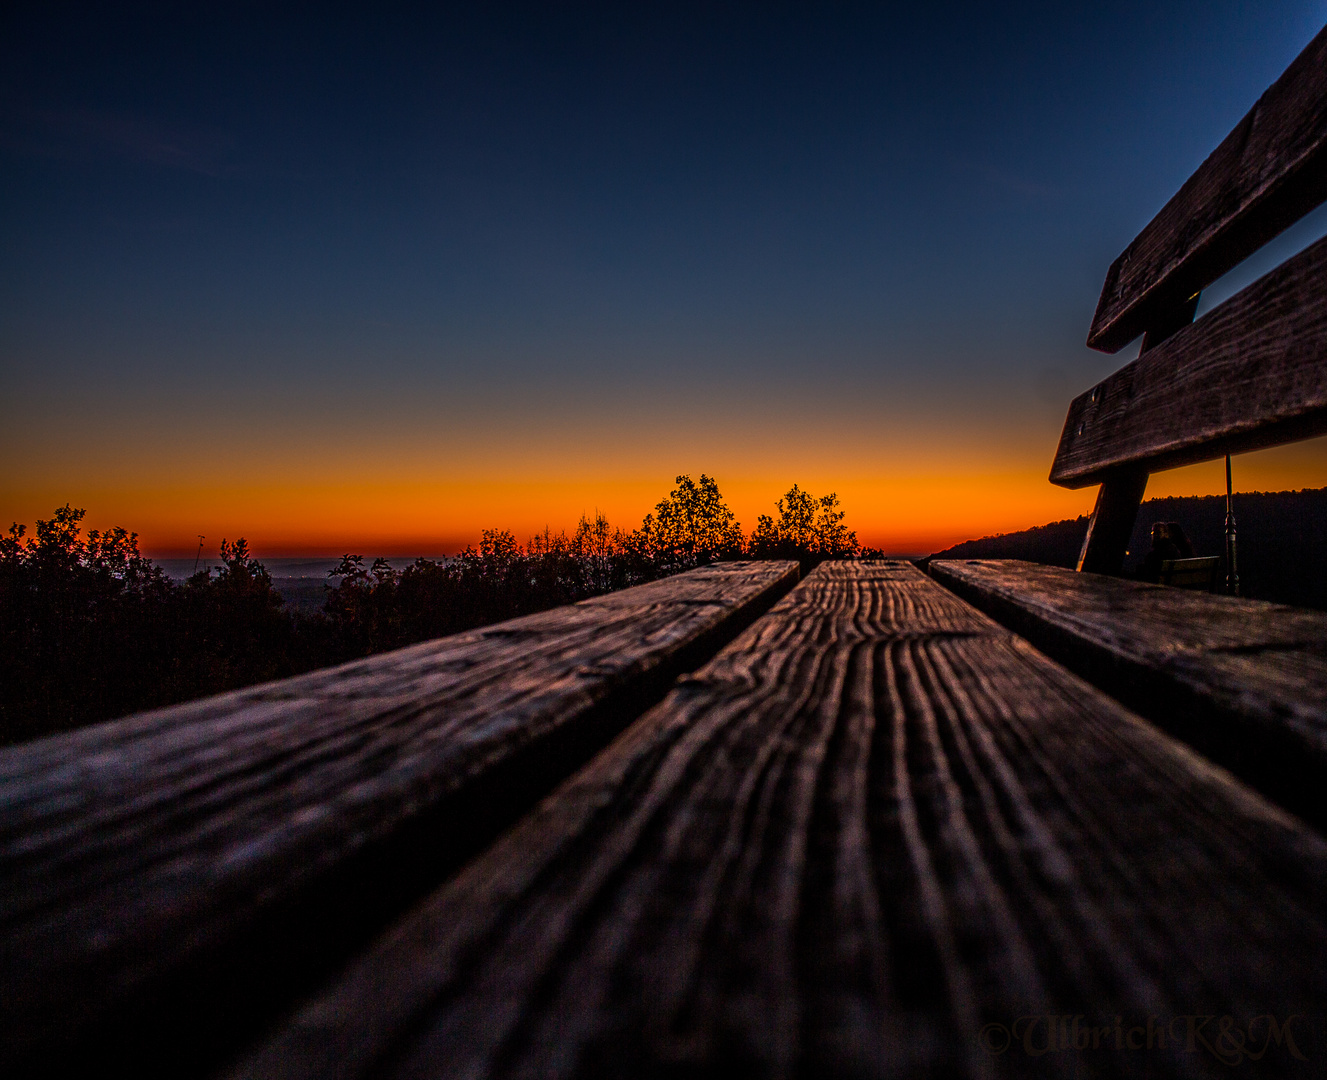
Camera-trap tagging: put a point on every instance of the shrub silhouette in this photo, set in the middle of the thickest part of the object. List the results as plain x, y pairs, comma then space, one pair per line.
80, 625
231, 629
91, 629
500, 579
692, 526
808, 529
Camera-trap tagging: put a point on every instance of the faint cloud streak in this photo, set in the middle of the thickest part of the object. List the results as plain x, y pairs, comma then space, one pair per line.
86, 134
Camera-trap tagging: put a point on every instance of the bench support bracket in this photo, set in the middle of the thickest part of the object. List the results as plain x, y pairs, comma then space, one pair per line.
1121, 494
1112, 522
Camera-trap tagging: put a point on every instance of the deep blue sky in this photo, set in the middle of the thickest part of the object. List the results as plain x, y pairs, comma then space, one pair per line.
592, 243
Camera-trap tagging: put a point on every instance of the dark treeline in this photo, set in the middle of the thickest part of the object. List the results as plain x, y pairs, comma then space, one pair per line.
94, 630
1281, 541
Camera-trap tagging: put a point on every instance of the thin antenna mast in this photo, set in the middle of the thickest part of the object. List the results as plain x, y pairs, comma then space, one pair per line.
1232, 574
201, 538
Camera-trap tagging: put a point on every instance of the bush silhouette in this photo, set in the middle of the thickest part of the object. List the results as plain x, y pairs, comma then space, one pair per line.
808, 529
91, 629
692, 526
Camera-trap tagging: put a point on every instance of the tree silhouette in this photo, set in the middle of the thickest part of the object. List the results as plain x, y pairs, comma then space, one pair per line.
80, 626
692, 526
832, 539
807, 529
599, 549
90, 629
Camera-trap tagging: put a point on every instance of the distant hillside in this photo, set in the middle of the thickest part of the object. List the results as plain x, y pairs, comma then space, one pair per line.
1282, 541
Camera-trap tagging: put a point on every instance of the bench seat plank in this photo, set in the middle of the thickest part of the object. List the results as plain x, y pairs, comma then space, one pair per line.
131, 850
876, 823
1243, 680
1266, 174
1250, 373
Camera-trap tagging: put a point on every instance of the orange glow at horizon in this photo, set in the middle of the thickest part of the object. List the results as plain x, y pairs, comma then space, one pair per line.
916, 511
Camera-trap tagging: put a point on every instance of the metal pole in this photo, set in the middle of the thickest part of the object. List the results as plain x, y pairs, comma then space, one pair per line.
1232, 573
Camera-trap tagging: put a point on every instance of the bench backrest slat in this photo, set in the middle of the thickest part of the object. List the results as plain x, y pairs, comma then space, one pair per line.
1268, 173
1251, 373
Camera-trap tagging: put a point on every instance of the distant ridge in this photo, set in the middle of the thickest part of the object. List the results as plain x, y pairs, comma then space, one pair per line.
1282, 540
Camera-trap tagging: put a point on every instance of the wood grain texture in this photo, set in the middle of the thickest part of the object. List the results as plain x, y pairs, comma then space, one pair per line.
145, 852
1268, 173
1244, 681
1250, 373
873, 825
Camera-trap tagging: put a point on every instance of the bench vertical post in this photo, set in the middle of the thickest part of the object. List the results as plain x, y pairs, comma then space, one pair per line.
1111, 525
1121, 494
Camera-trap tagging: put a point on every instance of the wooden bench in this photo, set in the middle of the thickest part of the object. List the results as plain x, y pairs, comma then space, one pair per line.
873, 826
1245, 682
1241, 680
1197, 573
711, 826
1250, 373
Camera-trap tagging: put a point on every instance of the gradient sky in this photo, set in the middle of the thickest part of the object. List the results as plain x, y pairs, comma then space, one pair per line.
375, 282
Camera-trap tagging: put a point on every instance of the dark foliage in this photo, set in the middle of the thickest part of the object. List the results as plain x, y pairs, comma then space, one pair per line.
381, 608
808, 529
1056, 544
93, 630
1281, 538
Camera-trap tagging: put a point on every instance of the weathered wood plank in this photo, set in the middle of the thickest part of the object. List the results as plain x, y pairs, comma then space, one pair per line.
1267, 173
232, 842
1251, 373
1242, 680
872, 826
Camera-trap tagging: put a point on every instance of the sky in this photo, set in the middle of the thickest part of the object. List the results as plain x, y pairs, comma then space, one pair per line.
376, 281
